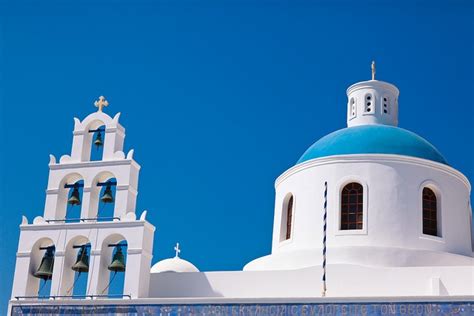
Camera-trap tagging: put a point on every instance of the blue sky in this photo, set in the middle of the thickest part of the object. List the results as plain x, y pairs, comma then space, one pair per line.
218, 99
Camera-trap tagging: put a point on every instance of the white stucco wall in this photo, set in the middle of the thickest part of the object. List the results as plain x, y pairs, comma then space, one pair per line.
342, 281
137, 233
392, 212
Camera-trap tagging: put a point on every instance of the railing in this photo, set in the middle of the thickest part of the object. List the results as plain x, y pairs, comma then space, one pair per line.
68, 220
54, 297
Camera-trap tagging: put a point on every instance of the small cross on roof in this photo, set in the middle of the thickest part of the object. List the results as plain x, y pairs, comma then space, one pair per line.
176, 248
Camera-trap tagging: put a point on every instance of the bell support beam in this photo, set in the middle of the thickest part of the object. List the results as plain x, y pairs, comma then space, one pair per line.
100, 129
103, 184
81, 246
74, 185
120, 244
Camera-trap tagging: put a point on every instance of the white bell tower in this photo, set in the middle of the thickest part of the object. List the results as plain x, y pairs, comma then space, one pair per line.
65, 235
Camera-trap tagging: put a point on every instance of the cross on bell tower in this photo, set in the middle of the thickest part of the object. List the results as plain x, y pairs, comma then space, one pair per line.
101, 103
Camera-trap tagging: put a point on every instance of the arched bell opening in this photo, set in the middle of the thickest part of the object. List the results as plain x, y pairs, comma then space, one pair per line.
94, 140
103, 196
74, 280
70, 197
113, 263
41, 268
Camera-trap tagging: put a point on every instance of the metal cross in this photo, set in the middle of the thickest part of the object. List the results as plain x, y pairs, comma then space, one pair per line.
176, 248
373, 70
101, 103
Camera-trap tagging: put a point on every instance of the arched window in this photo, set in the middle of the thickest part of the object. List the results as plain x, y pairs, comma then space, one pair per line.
369, 103
386, 105
97, 143
74, 200
430, 212
352, 108
289, 217
352, 206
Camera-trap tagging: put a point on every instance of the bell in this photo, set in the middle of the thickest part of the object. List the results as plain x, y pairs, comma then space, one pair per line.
107, 197
118, 261
45, 270
74, 198
98, 140
82, 262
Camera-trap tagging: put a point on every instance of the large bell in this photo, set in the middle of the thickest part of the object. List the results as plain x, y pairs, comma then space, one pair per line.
82, 261
74, 198
45, 270
98, 140
107, 197
118, 261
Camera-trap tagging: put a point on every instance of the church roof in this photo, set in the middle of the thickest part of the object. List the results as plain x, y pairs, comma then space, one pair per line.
373, 139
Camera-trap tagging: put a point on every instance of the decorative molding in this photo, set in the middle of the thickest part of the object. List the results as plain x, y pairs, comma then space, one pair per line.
372, 158
373, 84
81, 225
24, 220
126, 187
52, 159
38, 220
98, 163
139, 251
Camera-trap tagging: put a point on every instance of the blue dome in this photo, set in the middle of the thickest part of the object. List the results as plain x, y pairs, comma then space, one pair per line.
373, 139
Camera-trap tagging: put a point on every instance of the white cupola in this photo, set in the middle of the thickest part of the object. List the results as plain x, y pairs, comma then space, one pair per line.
372, 102
175, 264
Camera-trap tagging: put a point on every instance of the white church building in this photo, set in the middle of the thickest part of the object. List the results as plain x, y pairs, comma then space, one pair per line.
371, 220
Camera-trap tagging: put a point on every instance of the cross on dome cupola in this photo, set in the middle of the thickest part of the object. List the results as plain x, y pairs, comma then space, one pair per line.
372, 102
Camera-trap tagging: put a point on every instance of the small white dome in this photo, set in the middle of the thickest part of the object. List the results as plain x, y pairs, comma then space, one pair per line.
175, 264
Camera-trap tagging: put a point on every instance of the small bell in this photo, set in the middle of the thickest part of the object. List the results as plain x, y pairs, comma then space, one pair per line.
82, 261
74, 198
118, 261
107, 197
98, 140
45, 270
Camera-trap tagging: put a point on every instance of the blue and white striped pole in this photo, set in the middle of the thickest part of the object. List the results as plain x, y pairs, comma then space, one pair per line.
323, 293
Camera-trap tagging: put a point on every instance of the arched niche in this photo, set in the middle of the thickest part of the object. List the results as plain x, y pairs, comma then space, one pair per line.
88, 140
73, 283
287, 217
104, 286
36, 256
64, 193
96, 192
